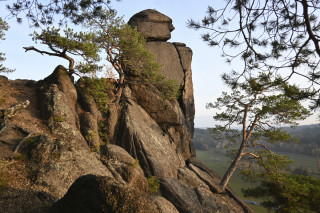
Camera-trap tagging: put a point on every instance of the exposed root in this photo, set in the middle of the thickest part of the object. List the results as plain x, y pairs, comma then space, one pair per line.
19, 145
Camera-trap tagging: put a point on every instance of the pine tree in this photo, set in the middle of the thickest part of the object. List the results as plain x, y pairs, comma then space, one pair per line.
275, 36
258, 107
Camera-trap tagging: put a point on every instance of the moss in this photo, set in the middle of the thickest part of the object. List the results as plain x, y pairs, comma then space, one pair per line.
154, 184
18, 157
3, 180
136, 163
58, 119
103, 131
31, 141
90, 138
2, 101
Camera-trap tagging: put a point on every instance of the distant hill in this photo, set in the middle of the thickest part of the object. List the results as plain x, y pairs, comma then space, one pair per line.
307, 135
202, 139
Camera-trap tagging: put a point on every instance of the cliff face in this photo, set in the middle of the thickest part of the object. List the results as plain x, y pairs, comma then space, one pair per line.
55, 169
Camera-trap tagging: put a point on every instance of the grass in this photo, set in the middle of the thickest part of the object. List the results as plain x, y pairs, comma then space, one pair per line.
219, 163
307, 162
3, 180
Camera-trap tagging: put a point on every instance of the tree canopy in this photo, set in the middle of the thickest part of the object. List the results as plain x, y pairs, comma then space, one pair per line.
44, 12
108, 38
269, 36
67, 43
260, 110
284, 192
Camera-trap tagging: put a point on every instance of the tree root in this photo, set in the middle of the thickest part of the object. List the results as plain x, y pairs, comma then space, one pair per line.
19, 145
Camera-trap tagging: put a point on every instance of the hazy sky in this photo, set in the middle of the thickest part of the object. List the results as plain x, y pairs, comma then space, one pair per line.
207, 65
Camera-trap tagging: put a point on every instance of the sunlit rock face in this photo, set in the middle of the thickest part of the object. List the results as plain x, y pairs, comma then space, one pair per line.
97, 161
175, 118
153, 25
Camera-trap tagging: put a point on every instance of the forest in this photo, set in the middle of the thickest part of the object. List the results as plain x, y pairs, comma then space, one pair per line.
305, 140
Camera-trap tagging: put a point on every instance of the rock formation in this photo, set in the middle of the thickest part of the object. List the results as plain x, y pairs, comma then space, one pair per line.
146, 137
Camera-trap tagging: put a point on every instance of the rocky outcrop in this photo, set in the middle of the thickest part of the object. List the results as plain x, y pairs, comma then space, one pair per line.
98, 161
58, 159
175, 117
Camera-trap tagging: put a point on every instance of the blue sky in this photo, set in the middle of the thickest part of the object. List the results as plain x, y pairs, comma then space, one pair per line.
207, 65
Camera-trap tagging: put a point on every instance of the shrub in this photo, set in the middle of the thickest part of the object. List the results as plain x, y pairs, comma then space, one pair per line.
98, 88
154, 184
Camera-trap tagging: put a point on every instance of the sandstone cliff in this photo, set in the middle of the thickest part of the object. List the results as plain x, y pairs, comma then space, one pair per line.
56, 170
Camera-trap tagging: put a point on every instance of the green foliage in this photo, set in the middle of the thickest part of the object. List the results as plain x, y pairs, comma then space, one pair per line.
283, 191
81, 44
44, 12
3, 27
124, 48
3, 180
154, 184
136, 163
257, 105
58, 119
275, 36
140, 61
98, 88
90, 138
19, 157
126, 51
169, 89
259, 109
103, 131
33, 140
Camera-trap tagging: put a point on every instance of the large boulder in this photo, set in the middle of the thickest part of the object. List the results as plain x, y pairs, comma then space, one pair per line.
183, 197
100, 194
197, 200
126, 166
163, 205
153, 25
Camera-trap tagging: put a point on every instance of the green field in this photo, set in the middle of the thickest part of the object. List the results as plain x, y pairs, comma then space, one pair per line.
218, 162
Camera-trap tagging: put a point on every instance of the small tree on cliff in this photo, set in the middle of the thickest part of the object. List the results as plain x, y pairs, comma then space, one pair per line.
126, 51
259, 110
67, 46
123, 47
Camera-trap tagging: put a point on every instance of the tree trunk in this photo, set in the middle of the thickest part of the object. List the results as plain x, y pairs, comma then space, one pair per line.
120, 87
232, 166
